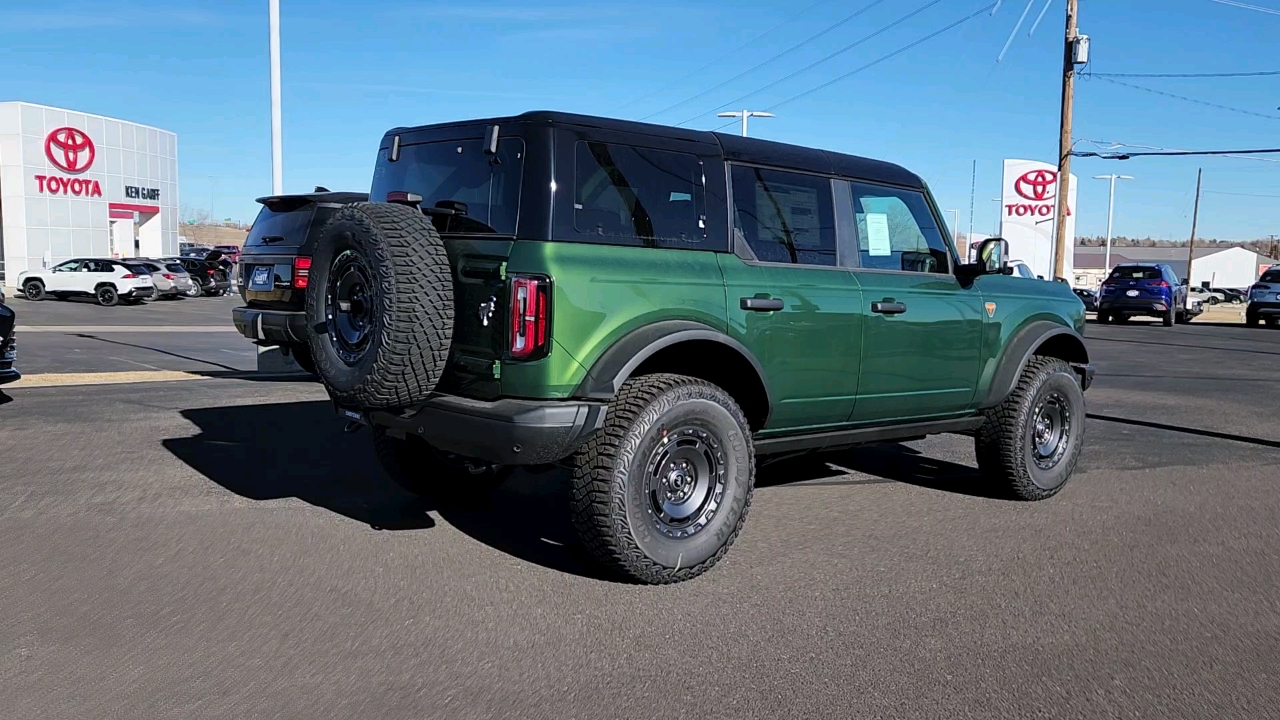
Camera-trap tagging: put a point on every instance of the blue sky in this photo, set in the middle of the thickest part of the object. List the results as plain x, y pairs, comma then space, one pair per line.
353, 70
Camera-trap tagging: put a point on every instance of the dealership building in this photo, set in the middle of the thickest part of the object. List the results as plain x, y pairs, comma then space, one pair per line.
79, 185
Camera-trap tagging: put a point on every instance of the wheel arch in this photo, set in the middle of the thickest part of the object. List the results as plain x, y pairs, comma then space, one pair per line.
105, 283
1044, 338
682, 347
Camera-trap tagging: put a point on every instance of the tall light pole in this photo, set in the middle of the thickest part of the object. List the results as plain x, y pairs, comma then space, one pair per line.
1111, 205
744, 114
277, 153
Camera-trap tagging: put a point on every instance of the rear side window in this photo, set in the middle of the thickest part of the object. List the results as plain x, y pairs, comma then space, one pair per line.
897, 230
638, 195
1136, 273
784, 217
280, 229
175, 268
139, 269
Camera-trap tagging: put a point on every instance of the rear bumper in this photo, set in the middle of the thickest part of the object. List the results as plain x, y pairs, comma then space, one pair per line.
1263, 308
273, 325
137, 292
1134, 306
507, 432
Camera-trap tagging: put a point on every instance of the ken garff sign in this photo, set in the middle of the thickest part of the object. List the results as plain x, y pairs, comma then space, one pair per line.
1028, 205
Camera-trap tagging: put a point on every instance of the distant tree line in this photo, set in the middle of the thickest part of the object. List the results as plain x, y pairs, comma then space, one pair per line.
1262, 246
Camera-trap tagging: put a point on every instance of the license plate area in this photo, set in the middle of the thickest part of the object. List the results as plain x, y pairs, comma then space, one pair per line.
262, 278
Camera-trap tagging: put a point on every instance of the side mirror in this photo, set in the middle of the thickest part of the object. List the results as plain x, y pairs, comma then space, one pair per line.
993, 256
992, 259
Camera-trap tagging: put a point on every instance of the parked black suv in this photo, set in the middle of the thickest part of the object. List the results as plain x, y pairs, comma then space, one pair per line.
274, 267
207, 276
8, 346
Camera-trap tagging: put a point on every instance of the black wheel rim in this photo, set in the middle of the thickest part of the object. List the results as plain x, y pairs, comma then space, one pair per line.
1050, 430
686, 479
33, 291
349, 306
106, 295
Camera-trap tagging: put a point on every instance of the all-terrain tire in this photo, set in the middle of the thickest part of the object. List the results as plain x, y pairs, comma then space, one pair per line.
651, 421
408, 301
1005, 444
420, 469
1251, 318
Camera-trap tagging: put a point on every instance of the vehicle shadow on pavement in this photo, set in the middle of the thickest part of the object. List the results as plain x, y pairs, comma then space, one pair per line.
299, 450
883, 463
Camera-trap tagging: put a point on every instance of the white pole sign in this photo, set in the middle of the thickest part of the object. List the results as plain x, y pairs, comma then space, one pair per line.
1027, 207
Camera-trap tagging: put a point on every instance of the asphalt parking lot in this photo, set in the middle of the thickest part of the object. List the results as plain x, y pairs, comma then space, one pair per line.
220, 548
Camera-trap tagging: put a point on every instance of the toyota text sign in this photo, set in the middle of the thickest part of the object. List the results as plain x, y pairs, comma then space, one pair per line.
1028, 206
72, 151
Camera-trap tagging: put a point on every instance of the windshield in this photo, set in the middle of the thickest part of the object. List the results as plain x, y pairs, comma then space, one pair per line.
278, 229
1136, 273
459, 170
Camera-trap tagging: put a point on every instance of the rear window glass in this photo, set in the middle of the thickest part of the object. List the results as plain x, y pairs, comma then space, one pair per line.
458, 171
175, 268
141, 269
279, 229
1136, 273
1270, 276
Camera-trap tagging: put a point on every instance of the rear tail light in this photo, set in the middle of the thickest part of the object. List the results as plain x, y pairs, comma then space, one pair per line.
130, 276
301, 272
530, 317
167, 276
1162, 284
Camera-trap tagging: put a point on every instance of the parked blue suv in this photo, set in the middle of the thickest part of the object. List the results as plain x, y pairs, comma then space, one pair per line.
1150, 289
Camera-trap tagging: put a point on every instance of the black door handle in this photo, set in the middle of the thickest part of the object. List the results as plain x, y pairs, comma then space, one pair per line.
760, 304
888, 308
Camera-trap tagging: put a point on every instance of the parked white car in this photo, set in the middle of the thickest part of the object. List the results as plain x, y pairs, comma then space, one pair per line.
1205, 296
109, 281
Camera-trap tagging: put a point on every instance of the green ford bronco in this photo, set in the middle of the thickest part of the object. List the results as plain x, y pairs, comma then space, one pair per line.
653, 308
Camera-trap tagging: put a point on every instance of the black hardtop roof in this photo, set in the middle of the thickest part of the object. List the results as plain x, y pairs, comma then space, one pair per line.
733, 147
342, 198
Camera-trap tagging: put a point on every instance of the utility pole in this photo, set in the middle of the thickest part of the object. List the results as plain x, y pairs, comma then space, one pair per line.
744, 114
1195, 218
1074, 51
277, 153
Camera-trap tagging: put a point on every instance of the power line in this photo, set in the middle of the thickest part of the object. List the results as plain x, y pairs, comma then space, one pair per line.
1109, 147
780, 55
1187, 99
734, 51
1168, 153
816, 63
1263, 73
882, 58
1221, 192
1232, 3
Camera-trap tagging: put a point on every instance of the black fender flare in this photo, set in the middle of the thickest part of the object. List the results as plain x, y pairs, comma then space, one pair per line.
1018, 351
615, 365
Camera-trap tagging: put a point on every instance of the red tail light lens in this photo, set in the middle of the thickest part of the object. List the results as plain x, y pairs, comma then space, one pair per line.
1162, 284
167, 276
301, 272
129, 276
530, 317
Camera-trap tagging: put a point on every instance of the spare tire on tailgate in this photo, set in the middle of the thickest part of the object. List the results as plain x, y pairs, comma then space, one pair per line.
380, 304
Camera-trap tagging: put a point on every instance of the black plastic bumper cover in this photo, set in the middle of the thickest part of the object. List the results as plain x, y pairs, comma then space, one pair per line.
1086, 374
273, 325
507, 432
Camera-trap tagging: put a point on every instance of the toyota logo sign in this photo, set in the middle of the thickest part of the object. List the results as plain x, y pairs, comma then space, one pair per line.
1036, 185
69, 149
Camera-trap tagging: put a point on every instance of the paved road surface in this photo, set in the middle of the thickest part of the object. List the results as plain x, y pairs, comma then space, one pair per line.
219, 548
191, 334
